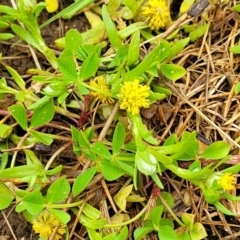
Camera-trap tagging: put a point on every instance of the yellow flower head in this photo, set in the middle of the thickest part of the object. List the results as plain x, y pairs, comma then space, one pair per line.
102, 92
157, 13
46, 224
133, 96
227, 181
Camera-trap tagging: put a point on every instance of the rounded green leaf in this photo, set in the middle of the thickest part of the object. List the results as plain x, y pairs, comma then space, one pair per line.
58, 191
5, 196
73, 39
34, 202
188, 220
63, 217
141, 233
42, 114
166, 233
172, 71
216, 150
198, 231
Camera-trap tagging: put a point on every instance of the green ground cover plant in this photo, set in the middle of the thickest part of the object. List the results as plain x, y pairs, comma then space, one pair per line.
115, 87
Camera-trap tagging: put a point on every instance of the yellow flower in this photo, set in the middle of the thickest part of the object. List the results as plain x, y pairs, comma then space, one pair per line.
133, 96
52, 5
46, 224
227, 181
157, 13
102, 92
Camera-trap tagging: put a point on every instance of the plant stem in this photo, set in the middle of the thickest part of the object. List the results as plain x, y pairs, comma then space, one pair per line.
170, 210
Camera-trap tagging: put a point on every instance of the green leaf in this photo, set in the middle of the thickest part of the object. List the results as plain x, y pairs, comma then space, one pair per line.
132, 5
121, 197
39, 103
89, 66
199, 32
223, 209
198, 232
156, 215
110, 171
141, 233
93, 224
120, 57
68, 12
186, 5
237, 88
42, 114
79, 138
75, 7
58, 191
34, 202
236, 8
8, 10
164, 159
157, 180
177, 48
118, 138
93, 234
83, 180
6, 36
169, 199
4, 159
19, 172
146, 63
41, 137
84, 50
91, 212
73, 39
126, 167
123, 235
188, 220
63, 217
172, 71
5, 131
20, 115
113, 35
17, 78
5, 196
166, 233
67, 65
189, 147
133, 51
54, 171
216, 150
235, 49
100, 149
25, 35
184, 236
164, 51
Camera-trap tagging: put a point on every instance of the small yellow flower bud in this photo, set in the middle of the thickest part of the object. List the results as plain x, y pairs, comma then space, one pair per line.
52, 5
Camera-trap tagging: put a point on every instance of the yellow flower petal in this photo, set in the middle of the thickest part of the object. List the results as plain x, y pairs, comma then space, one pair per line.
133, 96
100, 84
157, 13
52, 5
45, 226
227, 181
